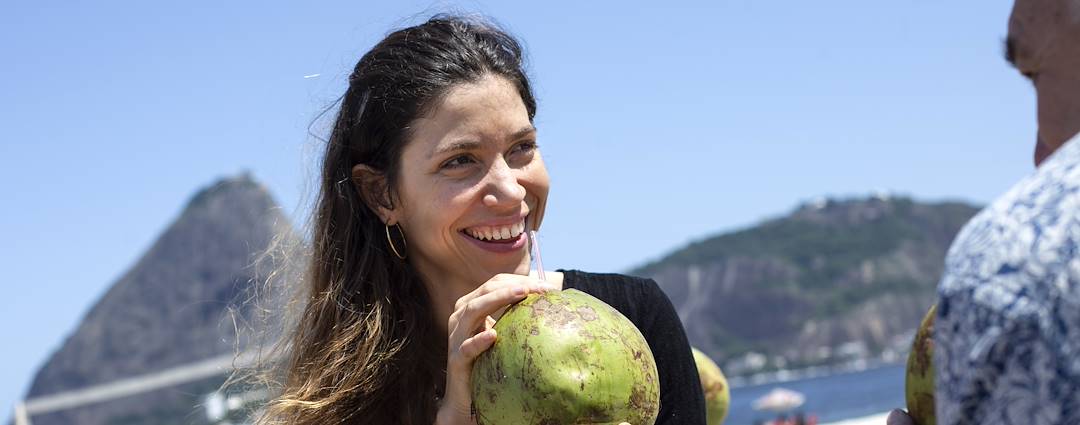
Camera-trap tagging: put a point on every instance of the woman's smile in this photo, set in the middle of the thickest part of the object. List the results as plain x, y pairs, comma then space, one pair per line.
499, 236
413, 265
471, 185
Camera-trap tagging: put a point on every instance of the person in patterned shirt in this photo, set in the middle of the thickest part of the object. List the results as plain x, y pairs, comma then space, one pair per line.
1007, 332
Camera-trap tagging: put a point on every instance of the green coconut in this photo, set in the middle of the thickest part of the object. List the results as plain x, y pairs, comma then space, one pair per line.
565, 357
920, 373
714, 384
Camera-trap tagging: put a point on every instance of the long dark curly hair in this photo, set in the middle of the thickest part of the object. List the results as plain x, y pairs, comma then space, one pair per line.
366, 348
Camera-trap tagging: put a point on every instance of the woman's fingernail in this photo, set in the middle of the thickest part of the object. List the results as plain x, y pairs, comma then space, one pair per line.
520, 290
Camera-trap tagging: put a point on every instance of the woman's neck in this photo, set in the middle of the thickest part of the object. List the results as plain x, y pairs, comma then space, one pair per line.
443, 297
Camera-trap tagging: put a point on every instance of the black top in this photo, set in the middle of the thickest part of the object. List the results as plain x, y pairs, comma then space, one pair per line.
642, 301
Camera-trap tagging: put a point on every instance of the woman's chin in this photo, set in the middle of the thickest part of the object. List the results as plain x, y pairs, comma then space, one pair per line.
522, 269
519, 269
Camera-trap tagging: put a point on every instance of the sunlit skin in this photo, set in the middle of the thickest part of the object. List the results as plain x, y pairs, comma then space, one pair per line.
1044, 45
472, 160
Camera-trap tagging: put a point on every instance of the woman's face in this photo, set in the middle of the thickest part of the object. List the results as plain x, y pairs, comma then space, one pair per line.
471, 183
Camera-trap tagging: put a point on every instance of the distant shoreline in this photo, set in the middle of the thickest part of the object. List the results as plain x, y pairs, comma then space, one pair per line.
785, 375
877, 419
833, 397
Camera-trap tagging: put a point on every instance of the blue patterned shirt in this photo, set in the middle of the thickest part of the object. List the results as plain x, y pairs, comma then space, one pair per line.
1007, 336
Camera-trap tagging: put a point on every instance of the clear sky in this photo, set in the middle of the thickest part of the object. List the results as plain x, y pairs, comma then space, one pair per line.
661, 123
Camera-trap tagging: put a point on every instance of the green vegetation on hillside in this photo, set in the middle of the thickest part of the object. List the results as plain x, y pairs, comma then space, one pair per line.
818, 264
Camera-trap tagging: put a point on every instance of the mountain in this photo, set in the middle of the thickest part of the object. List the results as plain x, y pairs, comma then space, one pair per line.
835, 280
179, 304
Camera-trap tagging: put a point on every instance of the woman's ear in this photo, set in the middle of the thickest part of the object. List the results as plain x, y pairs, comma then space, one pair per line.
375, 191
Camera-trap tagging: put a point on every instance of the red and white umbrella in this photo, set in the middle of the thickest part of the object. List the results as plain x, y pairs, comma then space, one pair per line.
779, 400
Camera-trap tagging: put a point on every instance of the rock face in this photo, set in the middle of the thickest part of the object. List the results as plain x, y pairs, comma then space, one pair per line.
177, 305
834, 280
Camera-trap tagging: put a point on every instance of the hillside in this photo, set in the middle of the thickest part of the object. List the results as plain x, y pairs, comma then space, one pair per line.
180, 303
834, 280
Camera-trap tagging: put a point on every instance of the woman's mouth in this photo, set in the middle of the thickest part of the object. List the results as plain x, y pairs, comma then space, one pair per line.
501, 238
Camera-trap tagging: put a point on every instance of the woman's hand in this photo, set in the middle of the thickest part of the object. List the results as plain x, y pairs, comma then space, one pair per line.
471, 333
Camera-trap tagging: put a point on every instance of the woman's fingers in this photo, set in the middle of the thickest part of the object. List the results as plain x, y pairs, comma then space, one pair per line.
458, 399
471, 314
496, 282
475, 345
499, 281
475, 316
471, 332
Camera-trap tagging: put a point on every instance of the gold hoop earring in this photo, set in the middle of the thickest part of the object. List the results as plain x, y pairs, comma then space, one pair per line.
391, 240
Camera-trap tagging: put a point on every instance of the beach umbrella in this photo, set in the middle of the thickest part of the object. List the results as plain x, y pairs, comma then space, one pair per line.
779, 400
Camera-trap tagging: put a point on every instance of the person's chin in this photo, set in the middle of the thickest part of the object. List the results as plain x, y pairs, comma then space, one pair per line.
486, 269
522, 269
1041, 152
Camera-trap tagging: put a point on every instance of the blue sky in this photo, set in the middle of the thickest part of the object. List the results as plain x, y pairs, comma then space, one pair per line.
661, 123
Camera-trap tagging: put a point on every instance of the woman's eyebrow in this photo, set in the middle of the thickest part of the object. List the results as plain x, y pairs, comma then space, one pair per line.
461, 145
525, 131
464, 145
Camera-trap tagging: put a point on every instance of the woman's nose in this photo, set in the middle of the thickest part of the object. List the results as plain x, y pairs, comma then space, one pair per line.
503, 188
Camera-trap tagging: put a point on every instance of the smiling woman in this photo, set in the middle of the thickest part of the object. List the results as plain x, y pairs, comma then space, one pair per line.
477, 144
430, 180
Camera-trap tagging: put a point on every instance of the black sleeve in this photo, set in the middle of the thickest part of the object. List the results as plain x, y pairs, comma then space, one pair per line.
681, 398
644, 303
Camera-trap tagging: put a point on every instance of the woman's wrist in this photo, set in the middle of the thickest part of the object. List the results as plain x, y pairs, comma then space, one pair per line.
449, 414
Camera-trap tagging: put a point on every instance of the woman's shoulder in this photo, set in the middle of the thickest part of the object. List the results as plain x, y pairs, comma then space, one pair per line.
578, 279
628, 294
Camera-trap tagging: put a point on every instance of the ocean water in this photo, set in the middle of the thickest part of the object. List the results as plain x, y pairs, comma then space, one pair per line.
830, 398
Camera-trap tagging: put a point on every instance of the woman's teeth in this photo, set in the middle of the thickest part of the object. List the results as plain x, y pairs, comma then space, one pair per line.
488, 233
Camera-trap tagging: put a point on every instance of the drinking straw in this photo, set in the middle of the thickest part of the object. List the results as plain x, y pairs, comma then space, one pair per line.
536, 255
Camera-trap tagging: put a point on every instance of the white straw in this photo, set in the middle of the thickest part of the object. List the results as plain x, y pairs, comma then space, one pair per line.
536, 255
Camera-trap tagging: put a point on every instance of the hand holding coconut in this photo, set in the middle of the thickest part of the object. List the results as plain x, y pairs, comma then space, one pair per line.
436, 141
471, 333
566, 357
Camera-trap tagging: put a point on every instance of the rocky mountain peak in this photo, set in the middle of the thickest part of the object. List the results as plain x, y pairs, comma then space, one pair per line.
177, 304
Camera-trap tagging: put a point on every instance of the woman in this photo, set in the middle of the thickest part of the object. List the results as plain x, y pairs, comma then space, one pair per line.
430, 179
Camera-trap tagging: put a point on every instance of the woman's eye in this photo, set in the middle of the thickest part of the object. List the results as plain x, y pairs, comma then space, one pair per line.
457, 162
524, 147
